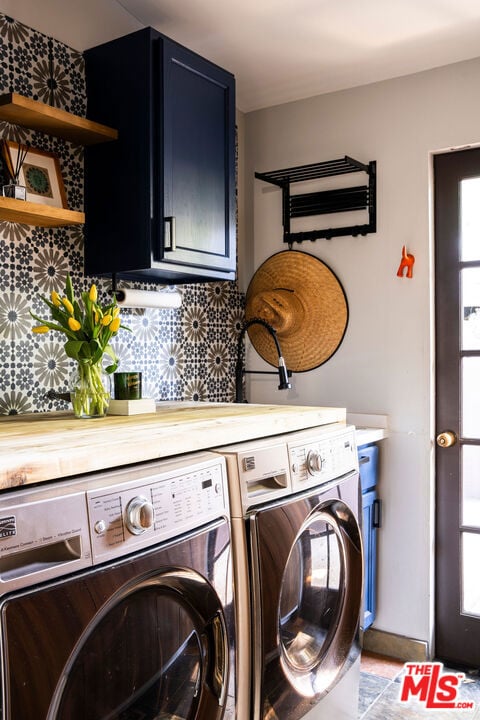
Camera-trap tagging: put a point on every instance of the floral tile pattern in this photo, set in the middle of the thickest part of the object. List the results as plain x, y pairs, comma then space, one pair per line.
185, 354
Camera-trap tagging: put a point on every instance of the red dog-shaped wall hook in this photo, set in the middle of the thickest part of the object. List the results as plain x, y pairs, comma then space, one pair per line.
406, 262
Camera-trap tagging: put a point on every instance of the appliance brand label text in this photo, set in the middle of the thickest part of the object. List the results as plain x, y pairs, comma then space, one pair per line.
8, 526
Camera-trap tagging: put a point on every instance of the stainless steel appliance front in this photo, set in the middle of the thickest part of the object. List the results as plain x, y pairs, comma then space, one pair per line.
117, 596
307, 575
295, 504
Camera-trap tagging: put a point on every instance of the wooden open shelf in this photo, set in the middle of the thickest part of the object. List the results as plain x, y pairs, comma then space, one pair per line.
20, 110
29, 213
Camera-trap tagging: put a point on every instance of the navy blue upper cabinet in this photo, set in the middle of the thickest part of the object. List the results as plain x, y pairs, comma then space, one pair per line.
160, 202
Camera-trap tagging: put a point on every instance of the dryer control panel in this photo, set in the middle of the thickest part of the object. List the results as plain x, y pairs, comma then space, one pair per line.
316, 459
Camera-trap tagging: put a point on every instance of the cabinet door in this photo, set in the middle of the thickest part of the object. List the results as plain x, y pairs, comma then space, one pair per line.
118, 175
370, 555
198, 163
173, 165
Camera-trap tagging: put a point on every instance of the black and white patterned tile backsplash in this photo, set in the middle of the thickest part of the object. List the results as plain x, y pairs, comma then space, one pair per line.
185, 354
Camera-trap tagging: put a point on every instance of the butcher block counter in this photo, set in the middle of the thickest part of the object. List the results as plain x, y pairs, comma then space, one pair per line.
45, 446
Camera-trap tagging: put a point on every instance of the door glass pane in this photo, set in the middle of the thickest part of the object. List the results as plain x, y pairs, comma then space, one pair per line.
470, 281
311, 597
143, 660
471, 485
470, 575
470, 219
471, 397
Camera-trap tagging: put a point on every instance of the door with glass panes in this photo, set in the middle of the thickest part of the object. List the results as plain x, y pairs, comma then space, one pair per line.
457, 308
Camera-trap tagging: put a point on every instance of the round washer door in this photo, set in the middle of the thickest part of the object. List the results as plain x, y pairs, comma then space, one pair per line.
157, 649
310, 581
147, 636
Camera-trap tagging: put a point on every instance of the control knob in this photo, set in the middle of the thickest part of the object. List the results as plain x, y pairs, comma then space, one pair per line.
139, 515
100, 527
314, 462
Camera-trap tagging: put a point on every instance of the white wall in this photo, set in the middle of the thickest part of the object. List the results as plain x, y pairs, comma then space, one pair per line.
385, 363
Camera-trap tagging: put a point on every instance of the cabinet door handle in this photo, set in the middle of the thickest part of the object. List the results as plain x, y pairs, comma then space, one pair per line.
363, 459
171, 246
377, 513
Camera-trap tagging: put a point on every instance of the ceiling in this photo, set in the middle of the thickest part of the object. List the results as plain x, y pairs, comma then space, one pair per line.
284, 50
281, 50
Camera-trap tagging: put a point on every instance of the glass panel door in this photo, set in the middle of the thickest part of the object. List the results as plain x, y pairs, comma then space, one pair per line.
470, 374
457, 307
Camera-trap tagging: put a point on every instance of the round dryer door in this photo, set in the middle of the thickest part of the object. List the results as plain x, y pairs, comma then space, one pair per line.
320, 598
126, 666
308, 578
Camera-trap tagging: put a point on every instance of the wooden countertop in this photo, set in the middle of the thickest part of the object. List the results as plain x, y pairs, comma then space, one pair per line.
44, 446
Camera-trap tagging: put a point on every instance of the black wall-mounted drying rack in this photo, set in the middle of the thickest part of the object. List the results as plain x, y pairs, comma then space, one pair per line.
361, 197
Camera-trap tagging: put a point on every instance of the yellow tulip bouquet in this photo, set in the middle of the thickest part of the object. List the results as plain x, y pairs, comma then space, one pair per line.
89, 327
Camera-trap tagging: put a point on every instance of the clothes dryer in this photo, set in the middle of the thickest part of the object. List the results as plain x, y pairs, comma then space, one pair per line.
296, 508
116, 596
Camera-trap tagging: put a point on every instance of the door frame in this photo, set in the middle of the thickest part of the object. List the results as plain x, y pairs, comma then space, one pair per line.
447, 405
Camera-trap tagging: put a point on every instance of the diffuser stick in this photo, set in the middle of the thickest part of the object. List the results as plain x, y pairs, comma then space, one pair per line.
21, 155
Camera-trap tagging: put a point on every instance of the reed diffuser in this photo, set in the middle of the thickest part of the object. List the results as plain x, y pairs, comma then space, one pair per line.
13, 189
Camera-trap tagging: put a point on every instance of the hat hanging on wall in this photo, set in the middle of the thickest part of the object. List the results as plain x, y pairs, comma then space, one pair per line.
303, 300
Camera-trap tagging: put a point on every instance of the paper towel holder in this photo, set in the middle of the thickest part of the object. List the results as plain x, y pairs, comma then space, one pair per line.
149, 298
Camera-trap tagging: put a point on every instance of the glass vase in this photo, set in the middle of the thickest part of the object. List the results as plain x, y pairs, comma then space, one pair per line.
90, 390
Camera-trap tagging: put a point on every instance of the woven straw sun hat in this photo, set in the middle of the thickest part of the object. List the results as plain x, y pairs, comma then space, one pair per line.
303, 300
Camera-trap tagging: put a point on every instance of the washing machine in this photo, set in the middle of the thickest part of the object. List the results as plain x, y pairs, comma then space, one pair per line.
298, 564
116, 598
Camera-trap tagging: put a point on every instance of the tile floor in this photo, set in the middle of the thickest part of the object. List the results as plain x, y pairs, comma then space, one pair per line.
380, 682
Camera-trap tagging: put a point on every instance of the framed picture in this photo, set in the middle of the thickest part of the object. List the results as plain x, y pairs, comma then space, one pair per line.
39, 173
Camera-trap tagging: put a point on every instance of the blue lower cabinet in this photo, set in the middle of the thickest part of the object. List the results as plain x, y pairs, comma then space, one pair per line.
368, 461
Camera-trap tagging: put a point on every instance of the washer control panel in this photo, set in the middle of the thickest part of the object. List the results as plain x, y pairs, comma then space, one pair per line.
155, 508
59, 528
316, 459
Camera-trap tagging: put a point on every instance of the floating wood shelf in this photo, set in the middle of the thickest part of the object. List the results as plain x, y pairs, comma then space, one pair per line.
20, 110
360, 197
29, 213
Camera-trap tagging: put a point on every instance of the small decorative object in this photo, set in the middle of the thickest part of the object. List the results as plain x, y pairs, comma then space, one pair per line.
17, 192
89, 327
406, 262
128, 385
90, 390
128, 395
39, 172
14, 189
132, 407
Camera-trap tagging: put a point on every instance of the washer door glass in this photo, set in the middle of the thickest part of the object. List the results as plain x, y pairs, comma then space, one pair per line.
320, 599
127, 666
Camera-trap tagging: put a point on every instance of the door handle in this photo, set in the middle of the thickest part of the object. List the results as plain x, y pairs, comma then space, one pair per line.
170, 233
446, 439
